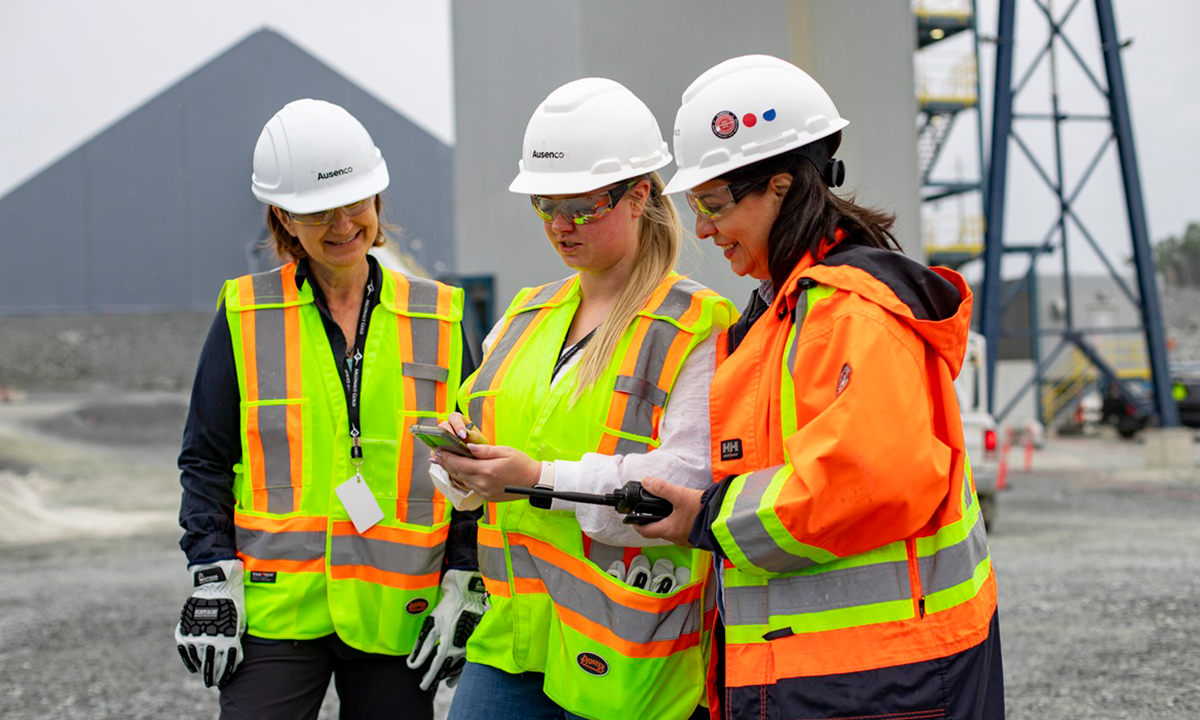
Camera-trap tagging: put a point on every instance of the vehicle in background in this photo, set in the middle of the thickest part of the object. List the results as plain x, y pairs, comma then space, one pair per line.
979, 427
1130, 418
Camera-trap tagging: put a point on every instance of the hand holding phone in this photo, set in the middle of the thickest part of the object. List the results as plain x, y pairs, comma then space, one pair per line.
440, 439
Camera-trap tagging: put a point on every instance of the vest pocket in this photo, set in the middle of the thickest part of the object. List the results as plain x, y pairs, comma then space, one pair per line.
277, 457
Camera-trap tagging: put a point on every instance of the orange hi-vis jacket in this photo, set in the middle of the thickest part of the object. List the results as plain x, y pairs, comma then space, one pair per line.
848, 519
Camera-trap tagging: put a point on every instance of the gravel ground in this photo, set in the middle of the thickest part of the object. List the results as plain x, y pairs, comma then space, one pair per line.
1098, 561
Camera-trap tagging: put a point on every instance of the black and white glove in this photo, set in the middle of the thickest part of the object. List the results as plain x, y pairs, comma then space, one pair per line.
446, 629
209, 634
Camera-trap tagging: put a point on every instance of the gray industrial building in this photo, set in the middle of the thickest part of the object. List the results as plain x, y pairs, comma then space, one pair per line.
153, 213
140, 225
150, 215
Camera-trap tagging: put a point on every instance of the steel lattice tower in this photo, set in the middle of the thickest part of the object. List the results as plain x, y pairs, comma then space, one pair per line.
995, 299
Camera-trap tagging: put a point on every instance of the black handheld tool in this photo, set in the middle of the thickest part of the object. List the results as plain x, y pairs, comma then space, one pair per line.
637, 505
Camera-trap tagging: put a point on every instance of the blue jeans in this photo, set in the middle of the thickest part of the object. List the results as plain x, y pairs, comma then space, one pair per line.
485, 692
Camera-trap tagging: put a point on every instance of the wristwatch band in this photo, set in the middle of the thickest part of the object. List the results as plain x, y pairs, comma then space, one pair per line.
542, 503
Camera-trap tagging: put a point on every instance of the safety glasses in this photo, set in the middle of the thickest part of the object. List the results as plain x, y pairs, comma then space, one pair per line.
581, 209
711, 203
324, 217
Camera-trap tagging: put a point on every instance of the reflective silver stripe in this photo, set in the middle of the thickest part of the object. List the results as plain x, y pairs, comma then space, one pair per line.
856, 586
605, 555
270, 366
270, 351
268, 288
427, 381
277, 457
422, 295
678, 299
968, 496
801, 313
544, 294
584, 598
641, 388
491, 563
955, 563
751, 535
830, 590
281, 545
384, 555
639, 408
486, 378
436, 373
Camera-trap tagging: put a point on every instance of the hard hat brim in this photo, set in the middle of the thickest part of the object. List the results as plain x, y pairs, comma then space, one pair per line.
344, 193
559, 183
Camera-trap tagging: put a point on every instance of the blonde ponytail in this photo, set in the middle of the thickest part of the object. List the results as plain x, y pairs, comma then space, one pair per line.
659, 237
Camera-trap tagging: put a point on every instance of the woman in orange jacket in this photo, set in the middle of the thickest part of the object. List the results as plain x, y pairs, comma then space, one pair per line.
856, 579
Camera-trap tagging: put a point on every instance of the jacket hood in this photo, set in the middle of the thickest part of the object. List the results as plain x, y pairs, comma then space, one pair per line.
935, 302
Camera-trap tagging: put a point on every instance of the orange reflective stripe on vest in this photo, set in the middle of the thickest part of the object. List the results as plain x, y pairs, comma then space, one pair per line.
424, 356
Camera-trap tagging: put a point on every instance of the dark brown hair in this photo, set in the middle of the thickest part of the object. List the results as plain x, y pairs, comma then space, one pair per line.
288, 247
810, 214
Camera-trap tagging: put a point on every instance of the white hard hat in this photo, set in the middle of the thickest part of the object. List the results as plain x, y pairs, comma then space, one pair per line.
744, 110
312, 156
587, 134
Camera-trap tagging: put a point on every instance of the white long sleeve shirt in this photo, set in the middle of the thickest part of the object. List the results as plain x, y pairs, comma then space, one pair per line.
684, 457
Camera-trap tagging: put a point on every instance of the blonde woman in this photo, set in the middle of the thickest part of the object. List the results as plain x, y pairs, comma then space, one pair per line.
587, 383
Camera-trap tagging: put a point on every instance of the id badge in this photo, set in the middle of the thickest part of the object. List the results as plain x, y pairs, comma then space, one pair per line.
360, 504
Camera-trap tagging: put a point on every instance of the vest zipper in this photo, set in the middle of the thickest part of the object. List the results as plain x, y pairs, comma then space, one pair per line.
914, 577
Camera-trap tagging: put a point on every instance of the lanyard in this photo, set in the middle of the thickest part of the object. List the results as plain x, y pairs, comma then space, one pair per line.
352, 375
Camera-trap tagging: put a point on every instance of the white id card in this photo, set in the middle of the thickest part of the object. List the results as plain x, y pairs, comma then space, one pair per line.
360, 504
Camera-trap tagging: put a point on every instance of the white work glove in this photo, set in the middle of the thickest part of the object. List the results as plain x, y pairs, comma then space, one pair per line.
446, 629
213, 620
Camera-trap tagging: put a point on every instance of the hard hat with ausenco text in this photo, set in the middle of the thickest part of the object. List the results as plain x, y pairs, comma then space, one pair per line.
587, 134
312, 156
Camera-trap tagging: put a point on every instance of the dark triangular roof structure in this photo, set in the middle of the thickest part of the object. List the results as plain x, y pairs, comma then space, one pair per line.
154, 212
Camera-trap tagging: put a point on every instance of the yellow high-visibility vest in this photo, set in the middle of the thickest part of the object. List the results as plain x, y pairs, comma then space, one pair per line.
608, 650
309, 573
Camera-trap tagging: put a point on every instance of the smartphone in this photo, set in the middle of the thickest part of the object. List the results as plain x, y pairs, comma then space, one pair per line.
440, 439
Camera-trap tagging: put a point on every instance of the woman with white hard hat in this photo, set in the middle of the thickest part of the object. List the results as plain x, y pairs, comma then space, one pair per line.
587, 383
316, 541
856, 577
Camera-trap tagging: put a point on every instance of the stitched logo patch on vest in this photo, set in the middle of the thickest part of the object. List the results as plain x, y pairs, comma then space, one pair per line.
731, 449
417, 606
843, 379
259, 576
592, 663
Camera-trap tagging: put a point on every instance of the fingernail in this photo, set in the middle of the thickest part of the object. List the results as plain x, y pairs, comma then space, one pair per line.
436, 459
462, 434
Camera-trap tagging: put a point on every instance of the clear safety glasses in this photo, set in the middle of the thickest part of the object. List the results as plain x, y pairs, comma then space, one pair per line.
711, 203
581, 209
324, 217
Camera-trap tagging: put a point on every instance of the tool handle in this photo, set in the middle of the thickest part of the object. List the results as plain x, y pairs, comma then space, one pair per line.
587, 498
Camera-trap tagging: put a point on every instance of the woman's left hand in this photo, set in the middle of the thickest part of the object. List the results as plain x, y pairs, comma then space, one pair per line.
493, 467
678, 525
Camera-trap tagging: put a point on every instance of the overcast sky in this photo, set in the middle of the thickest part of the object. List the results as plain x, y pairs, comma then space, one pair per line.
74, 67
